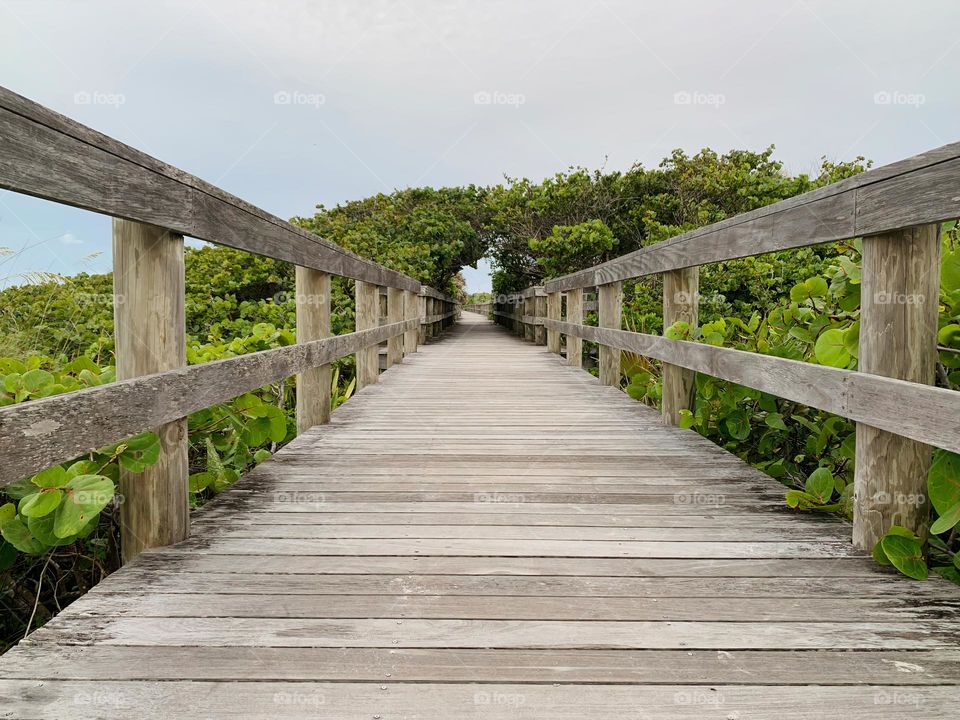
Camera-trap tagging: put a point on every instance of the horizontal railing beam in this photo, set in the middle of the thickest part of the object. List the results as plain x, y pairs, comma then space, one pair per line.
42, 433
903, 408
50, 156
916, 191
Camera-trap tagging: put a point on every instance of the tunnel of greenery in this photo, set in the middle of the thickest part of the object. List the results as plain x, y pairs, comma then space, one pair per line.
58, 334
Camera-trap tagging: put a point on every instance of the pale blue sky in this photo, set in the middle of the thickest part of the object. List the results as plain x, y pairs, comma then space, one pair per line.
290, 103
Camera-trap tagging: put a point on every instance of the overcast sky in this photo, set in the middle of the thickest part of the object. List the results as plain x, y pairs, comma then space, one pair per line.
291, 103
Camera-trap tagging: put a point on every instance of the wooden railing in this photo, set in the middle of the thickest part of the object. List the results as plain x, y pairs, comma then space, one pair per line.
897, 209
154, 205
484, 308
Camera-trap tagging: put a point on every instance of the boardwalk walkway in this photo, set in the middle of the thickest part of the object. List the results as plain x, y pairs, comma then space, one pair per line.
489, 534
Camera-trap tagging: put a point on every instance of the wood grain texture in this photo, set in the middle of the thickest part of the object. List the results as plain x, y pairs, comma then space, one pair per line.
395, 312
411, 311
51, 156
681, 290
574, 317
418, 553
313, 323
900, 290
34, 435
553, 312
924, 413
540, 311
367, 317
610, 315
911, 192
59, 699
150, 336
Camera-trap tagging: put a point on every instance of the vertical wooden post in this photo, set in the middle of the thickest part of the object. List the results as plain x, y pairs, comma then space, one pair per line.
368, 316
575, 317
395, 311
313, 323
540, 311
529, 310
150, 336
553, 313
411, 312
424, 327
610, 311
681, 289
900, 290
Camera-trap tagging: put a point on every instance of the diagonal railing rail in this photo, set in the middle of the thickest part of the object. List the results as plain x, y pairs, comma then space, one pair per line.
900, 414
154, 205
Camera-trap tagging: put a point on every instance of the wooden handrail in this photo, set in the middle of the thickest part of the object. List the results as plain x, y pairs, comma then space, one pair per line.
917, 191
899, 414
154, 205
50, 156
55, 429
925, 413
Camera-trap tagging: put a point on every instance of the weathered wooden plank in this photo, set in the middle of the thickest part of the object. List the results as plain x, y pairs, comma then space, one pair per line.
769, 667
492, 607
109, 700
560, 634
781, 533
921, 412
44, 432
173, 562
505, 585
53, 157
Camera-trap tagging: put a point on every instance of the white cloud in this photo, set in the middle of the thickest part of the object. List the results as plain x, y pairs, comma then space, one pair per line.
70, 239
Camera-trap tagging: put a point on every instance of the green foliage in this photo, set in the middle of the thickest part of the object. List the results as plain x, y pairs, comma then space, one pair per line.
427, 233
570, 245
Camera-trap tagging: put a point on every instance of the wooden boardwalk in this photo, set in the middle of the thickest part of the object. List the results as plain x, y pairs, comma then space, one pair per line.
487, 533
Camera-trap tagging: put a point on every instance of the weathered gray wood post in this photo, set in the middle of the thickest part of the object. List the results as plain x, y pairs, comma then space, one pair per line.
609, 312
395, 312
553, 313
412, 312
368, 316
529, 310
150, 336
313, 323
575, 317
681, 289
424, 328
900, 290
540, 312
